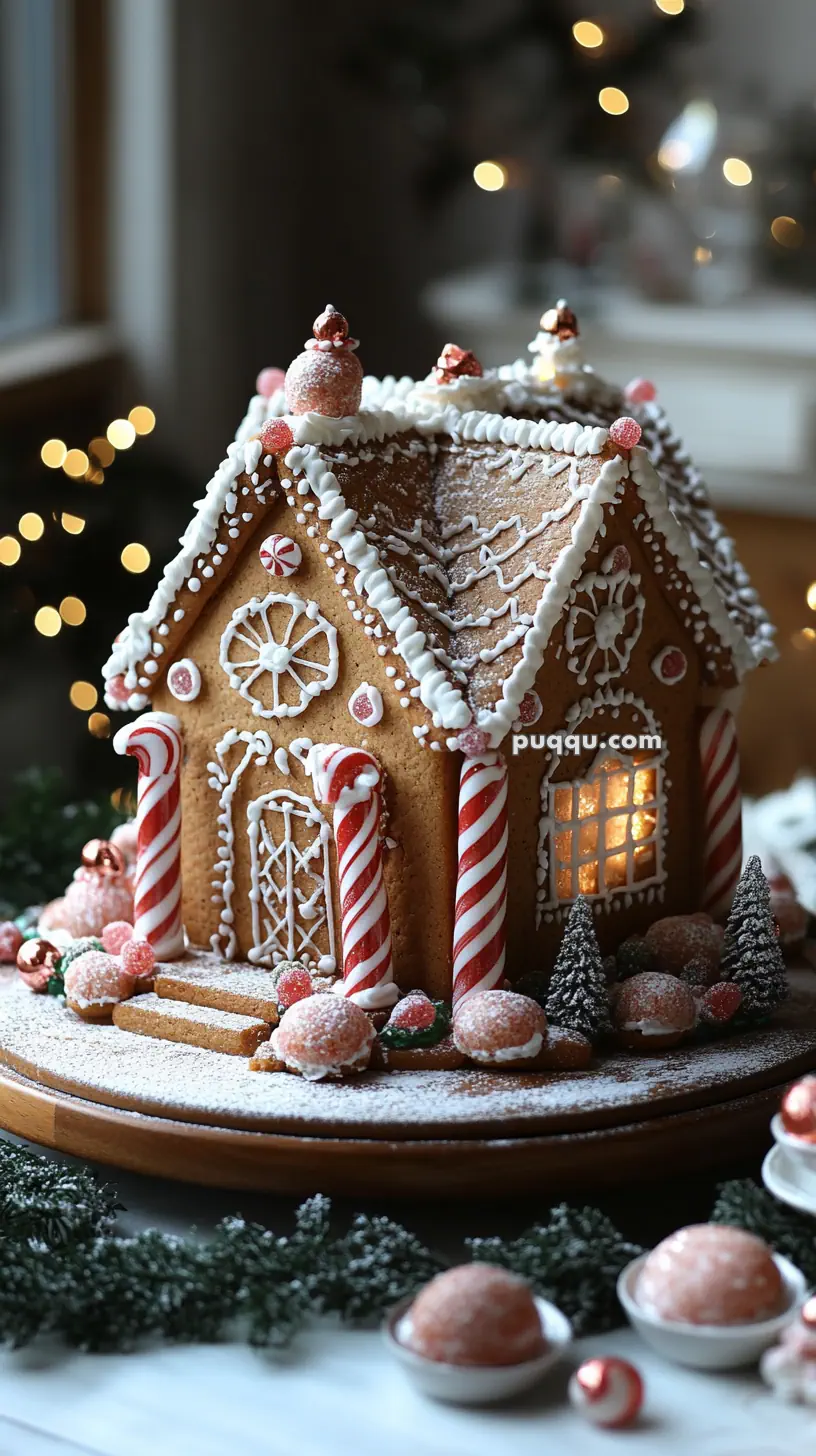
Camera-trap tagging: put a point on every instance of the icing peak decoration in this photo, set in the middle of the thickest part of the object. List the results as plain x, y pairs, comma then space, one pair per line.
625, 432
559, 358
327, 378
455, 363
366, 705
155, 742
280, 555
350, 780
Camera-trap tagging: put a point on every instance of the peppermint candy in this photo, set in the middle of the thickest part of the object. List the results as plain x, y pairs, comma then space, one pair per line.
280, 555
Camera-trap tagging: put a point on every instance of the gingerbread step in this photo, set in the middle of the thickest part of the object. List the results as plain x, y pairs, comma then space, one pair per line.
202, 1026
247, 992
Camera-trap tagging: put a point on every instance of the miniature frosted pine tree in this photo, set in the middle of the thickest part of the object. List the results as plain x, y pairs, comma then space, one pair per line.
752, 954
578, 997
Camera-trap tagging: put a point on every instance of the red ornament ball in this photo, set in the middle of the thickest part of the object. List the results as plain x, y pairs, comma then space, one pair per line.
115, 935
473, 742
276, 437
137, 957
798, 1109
475, 1314
625, 432
269, 380
495, 1027
711, 1274
37, 960
415, 1012
294, 984
721, 1003
11, 938
102, 855
324, 1036
639, 391
608, 1391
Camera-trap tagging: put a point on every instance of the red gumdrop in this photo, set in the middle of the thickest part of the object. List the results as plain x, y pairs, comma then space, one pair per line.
276, 436
269, 380
116, 689
138, 957
11, 939
414, 1013
293, 985
721, 1003
639, 391
473, 742
115, 935
625, 432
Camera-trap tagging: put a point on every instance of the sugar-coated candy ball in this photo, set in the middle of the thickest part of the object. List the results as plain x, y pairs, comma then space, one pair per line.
475, 1314
276, 437
125, 837
94, 985
798, 1109
324, 382
117, 690
37, 961
269, 380
52, 916
608, 1391
415, 1012
677, 939
496, 1027
93, 900
294, 984
138, 957
473, 742
115, 935
11, 938
721, 1003
711, 1274
625, 432
324, 1036
653, 1010
639, 391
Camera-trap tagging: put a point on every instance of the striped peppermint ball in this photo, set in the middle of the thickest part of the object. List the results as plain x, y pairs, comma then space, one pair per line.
280, 555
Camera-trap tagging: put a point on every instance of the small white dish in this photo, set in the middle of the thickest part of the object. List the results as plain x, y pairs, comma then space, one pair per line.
710, 1347
789, 1179
798, 1147
479, 1384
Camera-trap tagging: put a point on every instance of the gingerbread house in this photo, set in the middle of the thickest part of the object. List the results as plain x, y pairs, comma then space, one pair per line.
441, 660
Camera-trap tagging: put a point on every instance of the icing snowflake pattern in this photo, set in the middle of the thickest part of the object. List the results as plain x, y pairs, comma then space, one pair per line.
604, 623
279, 653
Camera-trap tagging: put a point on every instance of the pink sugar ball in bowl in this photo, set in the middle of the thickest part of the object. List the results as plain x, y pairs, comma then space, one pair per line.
476, 1314
711, 1274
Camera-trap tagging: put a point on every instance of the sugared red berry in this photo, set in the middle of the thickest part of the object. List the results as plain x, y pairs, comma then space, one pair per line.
269, 380
11, 938
295, 984
625, 432
276, 436
639, 391
414, 1013
721, 1003
138, 957
115, 935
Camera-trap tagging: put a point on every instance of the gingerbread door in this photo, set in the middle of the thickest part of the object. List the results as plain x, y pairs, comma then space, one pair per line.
290, 880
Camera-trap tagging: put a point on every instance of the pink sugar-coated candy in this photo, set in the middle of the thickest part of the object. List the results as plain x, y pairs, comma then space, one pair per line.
325, 382
125, 837
473, 742
639, 391
721, 1003
677, 939
490, 1024
94, 985
116, 689
276, 436
530, 709
92, 901
474, 1315
115, 935
323, 1036
269, 380
711, 1274
416, 1012
138, 958
294, 984
11, 938
652, 1000
625, 432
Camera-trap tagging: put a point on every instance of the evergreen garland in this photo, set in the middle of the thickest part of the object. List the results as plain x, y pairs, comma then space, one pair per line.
41, 837
578, 997
752, 953
748, 1206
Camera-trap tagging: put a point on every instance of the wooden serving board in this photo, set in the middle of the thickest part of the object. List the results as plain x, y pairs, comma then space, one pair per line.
176, 1111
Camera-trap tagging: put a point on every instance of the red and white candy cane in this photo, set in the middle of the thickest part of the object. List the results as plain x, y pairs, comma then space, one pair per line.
154, 740
350, 780
719, 757
479, 935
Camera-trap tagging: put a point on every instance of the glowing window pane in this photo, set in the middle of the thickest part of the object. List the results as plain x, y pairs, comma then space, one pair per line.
617, 790
563, 804
563, 845
589, 797
588, 878
643, 825
615, 831
644, 785
615, 872
588, 838
644, 866
564, 884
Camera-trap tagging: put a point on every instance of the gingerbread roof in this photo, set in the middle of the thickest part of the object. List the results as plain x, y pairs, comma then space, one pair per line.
460, 534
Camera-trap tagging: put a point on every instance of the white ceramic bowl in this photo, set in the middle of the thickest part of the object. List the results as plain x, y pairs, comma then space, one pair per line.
796, 1146
710, 1347
479, 1384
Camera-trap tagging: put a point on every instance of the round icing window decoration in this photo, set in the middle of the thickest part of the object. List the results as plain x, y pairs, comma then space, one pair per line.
184, 680
605, 620
530, 710
669, 666
366, 705
279, 653
280, 555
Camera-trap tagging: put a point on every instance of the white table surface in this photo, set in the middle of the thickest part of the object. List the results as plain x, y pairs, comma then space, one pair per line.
337, 1393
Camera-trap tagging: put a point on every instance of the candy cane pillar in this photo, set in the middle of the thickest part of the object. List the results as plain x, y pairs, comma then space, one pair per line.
154, 740
350, 780
479, 936
719, 757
